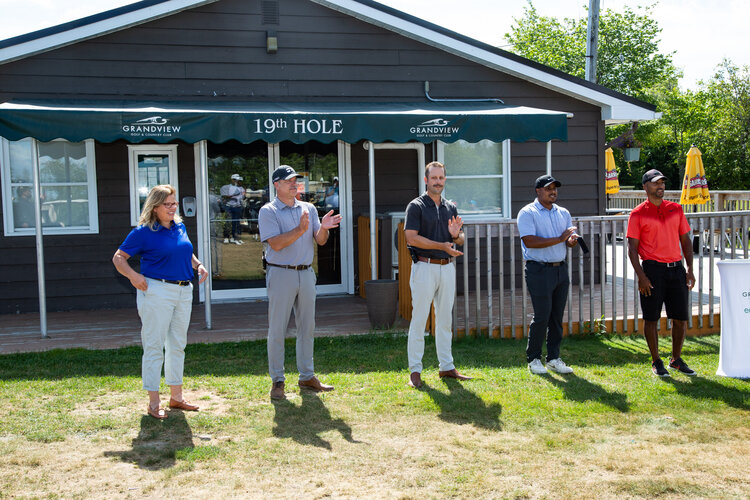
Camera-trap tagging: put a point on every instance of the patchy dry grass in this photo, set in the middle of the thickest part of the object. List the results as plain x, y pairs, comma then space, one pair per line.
73, 425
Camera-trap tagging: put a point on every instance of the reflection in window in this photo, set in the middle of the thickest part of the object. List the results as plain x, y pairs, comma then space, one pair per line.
150, 165
68, 184
475, 176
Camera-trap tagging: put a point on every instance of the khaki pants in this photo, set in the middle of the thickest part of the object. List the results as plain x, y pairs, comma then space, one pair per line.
431, 283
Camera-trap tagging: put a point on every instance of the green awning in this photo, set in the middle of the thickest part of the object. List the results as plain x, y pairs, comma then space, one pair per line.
276, 122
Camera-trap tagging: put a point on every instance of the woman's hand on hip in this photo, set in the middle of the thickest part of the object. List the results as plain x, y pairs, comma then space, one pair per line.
202, 273
139, 282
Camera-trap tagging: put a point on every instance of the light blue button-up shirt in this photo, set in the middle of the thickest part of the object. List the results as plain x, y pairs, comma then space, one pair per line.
535, 220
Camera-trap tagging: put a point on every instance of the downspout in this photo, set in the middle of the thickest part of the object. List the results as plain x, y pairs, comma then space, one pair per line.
482, 99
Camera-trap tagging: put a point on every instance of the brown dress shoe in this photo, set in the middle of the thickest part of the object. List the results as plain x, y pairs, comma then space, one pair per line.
314, 385
277, 391
453, 374
415, 380
158, 413
182, 405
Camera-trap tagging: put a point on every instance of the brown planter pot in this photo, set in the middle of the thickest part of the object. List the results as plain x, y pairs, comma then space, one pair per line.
382, 302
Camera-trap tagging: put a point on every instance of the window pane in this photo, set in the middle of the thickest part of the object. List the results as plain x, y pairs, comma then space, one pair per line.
481, 158
475, 195
23, 207
65, 206
20, 161
61, 161
237, 266
153, 169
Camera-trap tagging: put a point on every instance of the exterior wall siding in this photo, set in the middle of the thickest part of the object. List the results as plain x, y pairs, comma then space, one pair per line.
217, 53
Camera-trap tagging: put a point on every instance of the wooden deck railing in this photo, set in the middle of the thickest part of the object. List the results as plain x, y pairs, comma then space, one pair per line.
721, 201
492, 299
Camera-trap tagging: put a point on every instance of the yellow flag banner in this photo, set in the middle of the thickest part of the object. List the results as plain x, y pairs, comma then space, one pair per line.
694, 185
612, 184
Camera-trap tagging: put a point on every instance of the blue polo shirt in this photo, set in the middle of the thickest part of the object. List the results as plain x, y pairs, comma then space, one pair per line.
165, 253
535, 220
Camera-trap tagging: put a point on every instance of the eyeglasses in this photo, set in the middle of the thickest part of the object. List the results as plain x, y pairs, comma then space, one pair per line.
170, 205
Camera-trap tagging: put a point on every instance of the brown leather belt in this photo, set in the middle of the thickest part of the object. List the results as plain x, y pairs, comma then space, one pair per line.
442, 262
552, 264
295, 268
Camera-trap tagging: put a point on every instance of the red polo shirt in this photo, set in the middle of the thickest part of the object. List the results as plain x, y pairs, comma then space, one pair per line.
658, 229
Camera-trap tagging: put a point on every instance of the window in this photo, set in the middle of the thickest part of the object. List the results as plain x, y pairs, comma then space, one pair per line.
477, 181
150, 165
67, 174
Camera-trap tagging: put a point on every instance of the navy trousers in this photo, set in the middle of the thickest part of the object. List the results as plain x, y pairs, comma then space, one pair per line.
548, 288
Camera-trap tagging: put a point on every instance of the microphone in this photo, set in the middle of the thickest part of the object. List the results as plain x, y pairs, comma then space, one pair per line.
583, 245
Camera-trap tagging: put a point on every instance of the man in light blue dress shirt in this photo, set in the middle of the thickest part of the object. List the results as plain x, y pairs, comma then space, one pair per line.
546, 229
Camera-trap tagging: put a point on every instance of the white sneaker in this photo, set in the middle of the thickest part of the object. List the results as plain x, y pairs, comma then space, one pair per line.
537, 368
238, 242
226, 240
559, 366
232, 240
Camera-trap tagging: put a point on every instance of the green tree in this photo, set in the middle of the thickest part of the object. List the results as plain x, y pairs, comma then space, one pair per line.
629, 60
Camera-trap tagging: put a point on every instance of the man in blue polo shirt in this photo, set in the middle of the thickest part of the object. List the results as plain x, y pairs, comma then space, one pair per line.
546, 229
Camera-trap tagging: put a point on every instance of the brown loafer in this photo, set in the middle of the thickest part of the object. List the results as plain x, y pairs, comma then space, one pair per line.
453, 374
182, 405
314, 385
277, 390
415, 380
158, 413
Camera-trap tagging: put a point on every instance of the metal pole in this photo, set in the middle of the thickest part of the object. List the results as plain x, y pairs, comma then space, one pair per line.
592, 40
373, 219
203, 219
549, 157
39, 238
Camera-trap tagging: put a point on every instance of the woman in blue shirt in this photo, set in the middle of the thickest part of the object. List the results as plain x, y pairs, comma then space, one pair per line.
164, 293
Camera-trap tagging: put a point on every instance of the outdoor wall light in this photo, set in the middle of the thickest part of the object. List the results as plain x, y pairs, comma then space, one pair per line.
272, 43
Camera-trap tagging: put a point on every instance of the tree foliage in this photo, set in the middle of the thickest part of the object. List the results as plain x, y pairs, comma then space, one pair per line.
715, 116
629, 60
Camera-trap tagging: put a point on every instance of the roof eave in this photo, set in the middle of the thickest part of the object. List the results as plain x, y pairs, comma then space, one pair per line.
100, 24
613, 108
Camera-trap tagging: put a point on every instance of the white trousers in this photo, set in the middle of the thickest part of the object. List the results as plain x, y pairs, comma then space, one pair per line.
431, 283
165, 310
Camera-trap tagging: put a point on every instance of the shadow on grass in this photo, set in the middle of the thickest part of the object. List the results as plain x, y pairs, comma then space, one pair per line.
158, 442
305, 423
701, 388
580, 390
461, 406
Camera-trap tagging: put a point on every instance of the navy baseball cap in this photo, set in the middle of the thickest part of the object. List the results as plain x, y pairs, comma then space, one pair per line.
545, 181
283, 173
652, 175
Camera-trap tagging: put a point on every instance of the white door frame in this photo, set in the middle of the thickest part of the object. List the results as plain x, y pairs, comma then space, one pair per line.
347, 239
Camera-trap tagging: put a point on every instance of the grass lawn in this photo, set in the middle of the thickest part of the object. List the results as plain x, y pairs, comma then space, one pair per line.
73, 425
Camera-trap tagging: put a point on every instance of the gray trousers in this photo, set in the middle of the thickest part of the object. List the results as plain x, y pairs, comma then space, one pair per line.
548, 288
289, 289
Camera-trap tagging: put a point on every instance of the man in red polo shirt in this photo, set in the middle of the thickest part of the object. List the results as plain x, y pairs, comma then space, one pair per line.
659, 234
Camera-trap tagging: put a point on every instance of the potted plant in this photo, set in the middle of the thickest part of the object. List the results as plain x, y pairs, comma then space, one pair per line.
631, 149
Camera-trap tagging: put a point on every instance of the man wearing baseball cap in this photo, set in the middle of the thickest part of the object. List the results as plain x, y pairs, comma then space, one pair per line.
546, 229
289, 228
658, 238
233, 195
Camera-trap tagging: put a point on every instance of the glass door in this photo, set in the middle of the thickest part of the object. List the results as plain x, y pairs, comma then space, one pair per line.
319, 165
239, 185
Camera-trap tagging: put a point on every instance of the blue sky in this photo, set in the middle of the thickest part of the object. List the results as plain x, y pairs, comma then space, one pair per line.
702, 32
